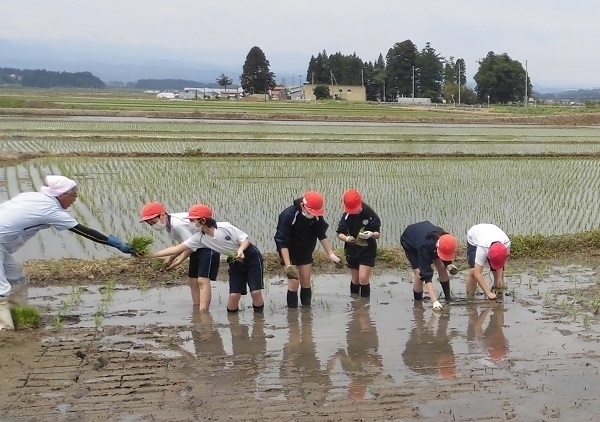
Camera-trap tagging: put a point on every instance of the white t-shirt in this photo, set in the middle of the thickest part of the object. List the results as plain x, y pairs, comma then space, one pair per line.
482, 236
28, 213
181, 229
227, 239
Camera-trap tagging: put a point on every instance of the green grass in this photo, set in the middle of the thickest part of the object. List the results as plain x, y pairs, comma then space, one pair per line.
10, 102
25, 317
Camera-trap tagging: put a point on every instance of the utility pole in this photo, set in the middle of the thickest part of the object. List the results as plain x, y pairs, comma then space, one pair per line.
459, 84
413, 84
526, 77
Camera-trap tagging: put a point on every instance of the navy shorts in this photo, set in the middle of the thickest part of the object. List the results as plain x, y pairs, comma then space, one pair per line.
298, 258
353, 262
247, 273
412, 255
204, 263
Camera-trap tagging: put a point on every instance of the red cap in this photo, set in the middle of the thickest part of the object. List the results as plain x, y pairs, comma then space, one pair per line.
352, 201
313, 202
497, 256
200, 211
151, 210
446, 247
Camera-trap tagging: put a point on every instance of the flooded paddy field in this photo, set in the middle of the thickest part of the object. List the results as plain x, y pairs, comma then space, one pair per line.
523, 196
534, 356
155, 136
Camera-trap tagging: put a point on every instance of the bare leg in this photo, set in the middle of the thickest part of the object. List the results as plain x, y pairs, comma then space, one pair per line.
417, 282
233, 302
195, 290
205, 293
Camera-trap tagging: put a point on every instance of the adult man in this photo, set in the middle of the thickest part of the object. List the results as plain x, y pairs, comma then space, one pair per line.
29, 212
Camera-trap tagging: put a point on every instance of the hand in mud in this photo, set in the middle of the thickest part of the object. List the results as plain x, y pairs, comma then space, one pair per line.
452, 269
291, 272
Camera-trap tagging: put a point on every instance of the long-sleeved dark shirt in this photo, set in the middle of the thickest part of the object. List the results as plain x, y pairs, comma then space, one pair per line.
298, 233
415, 239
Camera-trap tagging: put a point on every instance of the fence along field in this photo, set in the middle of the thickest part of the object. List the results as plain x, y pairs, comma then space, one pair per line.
523, 196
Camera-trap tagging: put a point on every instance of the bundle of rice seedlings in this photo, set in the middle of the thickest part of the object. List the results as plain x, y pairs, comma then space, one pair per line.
25, 316
232, 257
140, 244
292, 272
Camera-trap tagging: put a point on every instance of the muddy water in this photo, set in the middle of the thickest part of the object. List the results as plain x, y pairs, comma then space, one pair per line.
482, 360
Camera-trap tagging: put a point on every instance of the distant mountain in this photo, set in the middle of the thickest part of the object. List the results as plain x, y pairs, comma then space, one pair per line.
576, 95
116, 62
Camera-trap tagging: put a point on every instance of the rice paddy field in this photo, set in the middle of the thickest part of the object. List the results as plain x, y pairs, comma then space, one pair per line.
156, 136
521, 195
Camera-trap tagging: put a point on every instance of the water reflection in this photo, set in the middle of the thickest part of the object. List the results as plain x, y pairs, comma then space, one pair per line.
300, 369
488, 342
428, 350
361, 359
245, 342
207, 340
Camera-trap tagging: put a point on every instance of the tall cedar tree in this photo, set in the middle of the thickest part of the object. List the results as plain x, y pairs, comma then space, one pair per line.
256, 77
400, 60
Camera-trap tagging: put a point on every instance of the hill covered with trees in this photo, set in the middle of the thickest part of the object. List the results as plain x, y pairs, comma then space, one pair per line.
41, 78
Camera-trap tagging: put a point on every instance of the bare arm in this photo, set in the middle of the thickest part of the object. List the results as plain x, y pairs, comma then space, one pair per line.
180, 258
173, 250
243, 247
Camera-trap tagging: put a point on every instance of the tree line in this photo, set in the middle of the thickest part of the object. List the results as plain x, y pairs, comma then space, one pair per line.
49, 79
405, 71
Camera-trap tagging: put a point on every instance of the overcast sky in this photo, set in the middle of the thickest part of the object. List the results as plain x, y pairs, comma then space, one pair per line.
558, 39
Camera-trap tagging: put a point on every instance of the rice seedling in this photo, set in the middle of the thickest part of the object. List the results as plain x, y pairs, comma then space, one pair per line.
142, 284
25, 316
141, 244
67, 305
104, 303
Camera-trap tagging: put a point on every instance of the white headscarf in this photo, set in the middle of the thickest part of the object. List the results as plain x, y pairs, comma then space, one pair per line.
57, 185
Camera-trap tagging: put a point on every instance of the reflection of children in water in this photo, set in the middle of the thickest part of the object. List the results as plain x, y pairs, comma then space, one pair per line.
428, 350
244, 343
300, 370
207, 340
491, 341
361, 360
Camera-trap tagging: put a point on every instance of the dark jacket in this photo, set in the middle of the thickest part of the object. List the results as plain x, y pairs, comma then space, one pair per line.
298, 233
420, 239
351, 225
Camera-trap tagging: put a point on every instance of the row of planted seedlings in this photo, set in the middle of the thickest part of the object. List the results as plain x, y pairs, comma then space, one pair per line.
320, 129
312, 146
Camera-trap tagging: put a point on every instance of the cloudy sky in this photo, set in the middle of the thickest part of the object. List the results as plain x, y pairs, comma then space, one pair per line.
558, 39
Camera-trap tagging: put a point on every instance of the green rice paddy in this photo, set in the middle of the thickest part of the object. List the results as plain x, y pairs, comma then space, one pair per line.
523, 196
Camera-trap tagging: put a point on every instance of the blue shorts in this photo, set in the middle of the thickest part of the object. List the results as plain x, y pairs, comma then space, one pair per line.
204, 263
247, 273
